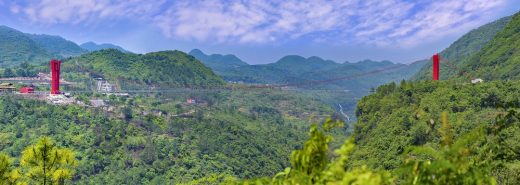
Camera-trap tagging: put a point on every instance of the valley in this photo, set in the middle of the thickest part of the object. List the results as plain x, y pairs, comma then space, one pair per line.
102, 114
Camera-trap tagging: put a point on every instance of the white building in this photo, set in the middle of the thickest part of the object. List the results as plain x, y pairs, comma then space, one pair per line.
104, 86
477, 80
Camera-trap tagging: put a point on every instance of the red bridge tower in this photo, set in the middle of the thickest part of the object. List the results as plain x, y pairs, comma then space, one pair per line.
435, 59
55, 73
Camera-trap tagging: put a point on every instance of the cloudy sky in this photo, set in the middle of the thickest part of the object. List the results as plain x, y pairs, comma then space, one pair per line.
260, 31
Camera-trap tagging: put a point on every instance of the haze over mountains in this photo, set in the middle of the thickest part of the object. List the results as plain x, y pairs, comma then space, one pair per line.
293, 69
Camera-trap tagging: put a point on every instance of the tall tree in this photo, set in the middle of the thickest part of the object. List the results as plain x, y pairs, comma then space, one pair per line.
8, 175
8, 73
5, 167
44, 163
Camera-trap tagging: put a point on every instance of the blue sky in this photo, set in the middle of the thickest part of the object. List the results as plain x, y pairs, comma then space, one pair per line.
260, 31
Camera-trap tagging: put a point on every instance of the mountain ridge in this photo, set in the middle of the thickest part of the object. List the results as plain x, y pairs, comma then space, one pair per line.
151, 69
92, 46
460, 50
17, 47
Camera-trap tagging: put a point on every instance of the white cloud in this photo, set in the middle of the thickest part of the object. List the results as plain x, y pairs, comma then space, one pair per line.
83, 11
387, 22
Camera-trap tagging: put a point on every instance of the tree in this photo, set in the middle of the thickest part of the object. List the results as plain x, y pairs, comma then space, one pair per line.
8, 175
5, 167
20, 72
9, 73
312, 165
453, 163
44, 163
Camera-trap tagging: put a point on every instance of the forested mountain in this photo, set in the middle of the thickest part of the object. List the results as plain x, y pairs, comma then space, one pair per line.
218, 62
398, 118
298, 64
17, 47
500, 58
92, 46
143, 140
460, 51
164, 68
57, 46
472, 125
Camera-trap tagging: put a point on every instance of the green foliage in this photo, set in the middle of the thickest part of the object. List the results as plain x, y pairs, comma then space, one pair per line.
499, 59
452, 163
8, 73
313, 165
444, 133
44, 163
5, 167
17, 47
152, 146
24, 70
129, 71
57, 46
213, 179
462, 49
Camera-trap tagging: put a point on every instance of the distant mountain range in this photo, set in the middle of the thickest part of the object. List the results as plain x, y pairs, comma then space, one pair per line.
17, 47
297, 69
91, 46
218, 62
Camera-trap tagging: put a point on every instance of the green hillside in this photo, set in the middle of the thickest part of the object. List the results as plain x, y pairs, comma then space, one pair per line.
17, 47
243, 134
429, 132
500, 58
57, 46
217, 62
298, 64
399, 117
164, 68
91, 46
459, 52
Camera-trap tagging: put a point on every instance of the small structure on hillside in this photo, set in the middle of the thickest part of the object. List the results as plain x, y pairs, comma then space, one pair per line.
191, 101
7, 87
476, 80
104, 86
27, 90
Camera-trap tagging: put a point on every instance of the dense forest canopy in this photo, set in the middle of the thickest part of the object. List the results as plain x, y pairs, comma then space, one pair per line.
240, 134
165, 68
